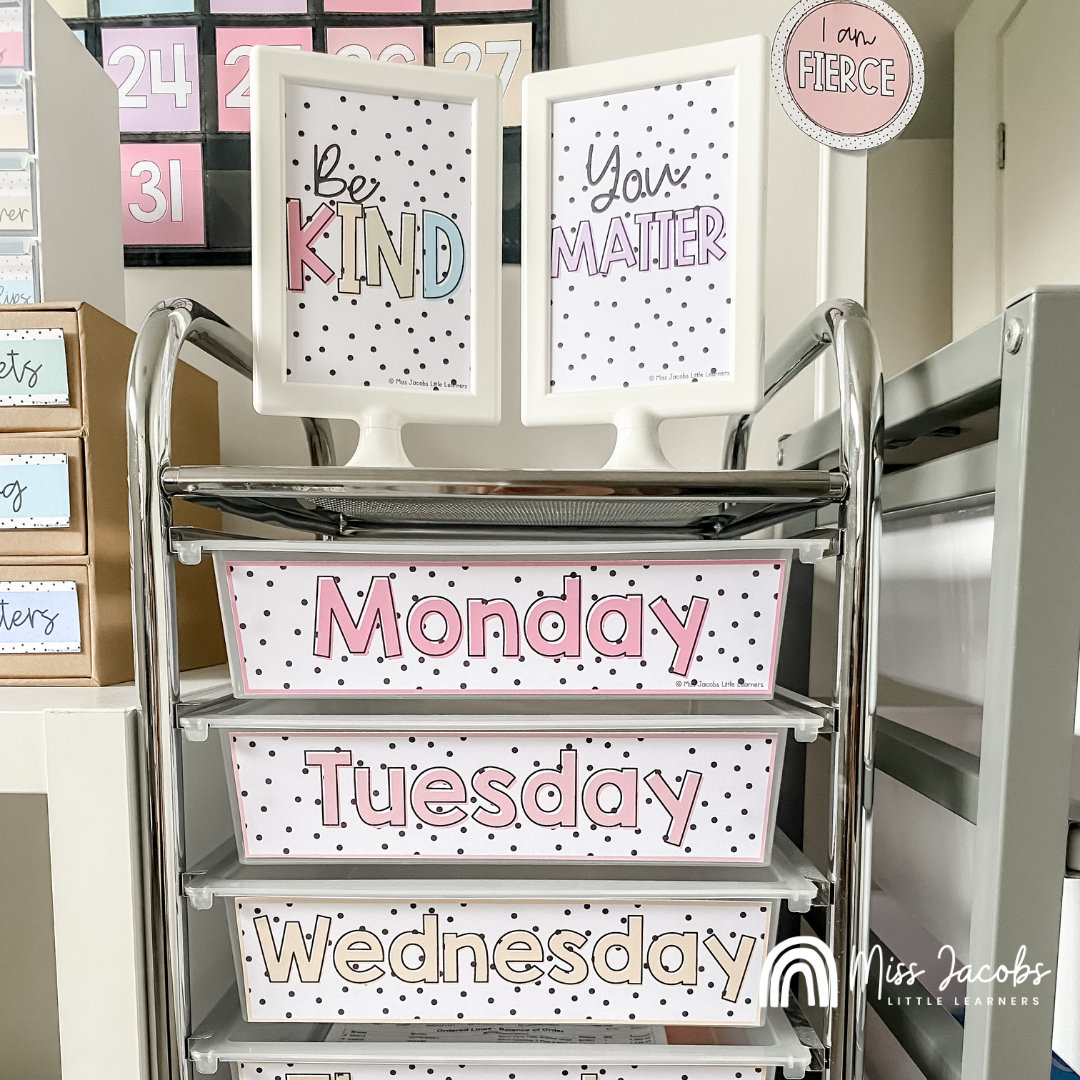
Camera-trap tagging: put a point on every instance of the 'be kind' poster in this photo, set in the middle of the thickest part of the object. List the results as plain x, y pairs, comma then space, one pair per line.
378, 214
642, 243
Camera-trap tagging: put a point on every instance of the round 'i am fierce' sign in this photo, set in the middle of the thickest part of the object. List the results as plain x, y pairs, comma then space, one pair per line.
849, 73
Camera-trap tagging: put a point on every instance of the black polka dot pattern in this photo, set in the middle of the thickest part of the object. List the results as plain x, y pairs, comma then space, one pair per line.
734, 607
691, 990
616, 323
404, 155
637, 1036
593, 1035
693, 798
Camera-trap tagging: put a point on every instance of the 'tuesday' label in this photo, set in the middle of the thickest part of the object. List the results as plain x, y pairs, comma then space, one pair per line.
34, 491
39, 617
697, 798
33, 367
611, 627
528, 962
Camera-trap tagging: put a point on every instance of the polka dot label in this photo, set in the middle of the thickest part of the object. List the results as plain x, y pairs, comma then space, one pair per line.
642, 241
692, 798
33, 367
39, 617
349, 1071
378, 212
502, 961
663, 627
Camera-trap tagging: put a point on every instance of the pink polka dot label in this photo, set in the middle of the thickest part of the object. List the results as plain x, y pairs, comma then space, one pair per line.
703, 798
501, 627
654, 962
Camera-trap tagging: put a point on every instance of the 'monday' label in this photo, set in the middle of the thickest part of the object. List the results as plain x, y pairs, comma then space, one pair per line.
611, 627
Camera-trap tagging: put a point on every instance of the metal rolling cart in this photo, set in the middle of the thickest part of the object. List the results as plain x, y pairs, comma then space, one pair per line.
987, 423
346, 506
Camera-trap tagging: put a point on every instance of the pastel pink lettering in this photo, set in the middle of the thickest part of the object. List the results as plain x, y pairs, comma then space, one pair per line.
299, 236
328, 762
479, 613
378, 611
483, 783
685, 635
625, 782
554, 610
439, 610
563, 780
435, 788
679, 807
394, 812
623, 613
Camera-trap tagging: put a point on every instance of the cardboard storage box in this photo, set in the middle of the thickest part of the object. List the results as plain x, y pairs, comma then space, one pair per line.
94, 550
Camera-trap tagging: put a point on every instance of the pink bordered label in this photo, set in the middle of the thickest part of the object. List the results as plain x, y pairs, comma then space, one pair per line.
849, 73
485, 961
700, 798
447, 628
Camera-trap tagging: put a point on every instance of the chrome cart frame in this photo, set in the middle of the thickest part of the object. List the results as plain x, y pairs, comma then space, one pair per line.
339, 502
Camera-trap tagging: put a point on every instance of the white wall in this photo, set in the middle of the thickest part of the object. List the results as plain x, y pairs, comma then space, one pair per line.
909, 249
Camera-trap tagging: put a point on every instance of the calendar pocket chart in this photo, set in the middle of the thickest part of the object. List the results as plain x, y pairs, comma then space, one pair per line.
564, 961
495, 627
703, 798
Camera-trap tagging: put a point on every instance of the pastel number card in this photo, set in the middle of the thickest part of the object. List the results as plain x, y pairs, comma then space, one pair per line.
403, 44
33, 367
234, 45
376, 257
643, 210
39, 617
157, 73
503, 49
162, 189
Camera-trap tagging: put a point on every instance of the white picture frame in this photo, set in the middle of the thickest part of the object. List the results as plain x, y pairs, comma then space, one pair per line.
407, 315
725, 78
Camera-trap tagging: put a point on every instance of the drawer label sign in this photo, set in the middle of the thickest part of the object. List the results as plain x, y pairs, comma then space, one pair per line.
39, 617
503, 961
620, 627
343, 1071
34, 491
33, 367
693, 798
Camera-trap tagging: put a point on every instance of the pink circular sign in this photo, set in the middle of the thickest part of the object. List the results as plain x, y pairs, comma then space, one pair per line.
848, 72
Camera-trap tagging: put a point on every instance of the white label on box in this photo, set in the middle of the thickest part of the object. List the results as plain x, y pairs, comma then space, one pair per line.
507, 962
39, 617
545, 1034
613, 627
702, 797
